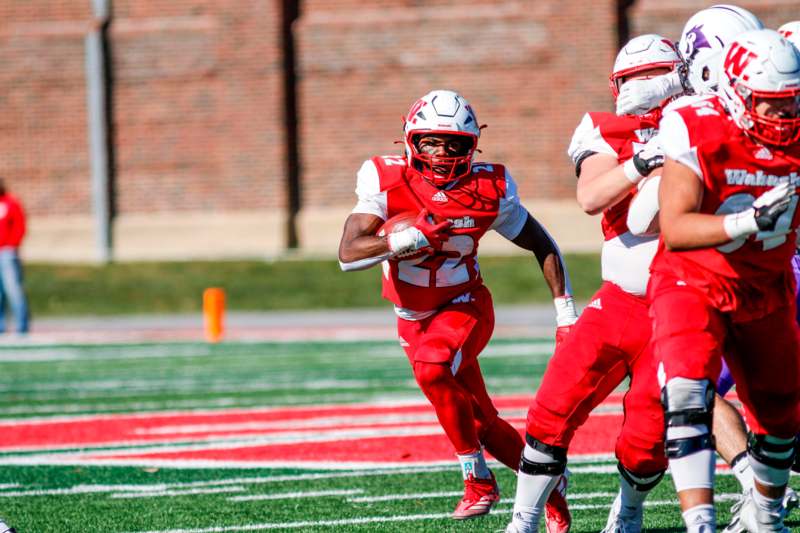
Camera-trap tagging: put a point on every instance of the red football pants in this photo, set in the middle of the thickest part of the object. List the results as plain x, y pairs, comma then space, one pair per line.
610, 340
443, 350
690, 338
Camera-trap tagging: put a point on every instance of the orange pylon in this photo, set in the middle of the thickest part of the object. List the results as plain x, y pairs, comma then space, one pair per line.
214, 313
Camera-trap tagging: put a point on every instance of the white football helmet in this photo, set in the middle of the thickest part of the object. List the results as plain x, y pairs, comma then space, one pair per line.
761, 66
791, 32
705, 35
642, 53
441, 112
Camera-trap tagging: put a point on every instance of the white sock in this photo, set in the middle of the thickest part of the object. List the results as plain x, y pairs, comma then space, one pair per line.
475, 464
632, 499
700, 519
766, 503
742, 470
532, 493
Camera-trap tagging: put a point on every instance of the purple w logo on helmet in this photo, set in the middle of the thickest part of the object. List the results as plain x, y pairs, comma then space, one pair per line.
695, 39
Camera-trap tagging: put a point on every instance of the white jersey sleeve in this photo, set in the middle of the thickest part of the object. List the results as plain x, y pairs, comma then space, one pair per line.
371, 200
587, 139
674, 139
511, 215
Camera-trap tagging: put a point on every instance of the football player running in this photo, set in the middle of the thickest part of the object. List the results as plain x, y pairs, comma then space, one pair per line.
445, 314
610, 341
722, 280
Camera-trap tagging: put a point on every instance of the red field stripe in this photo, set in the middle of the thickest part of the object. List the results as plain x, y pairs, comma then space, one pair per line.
149, 428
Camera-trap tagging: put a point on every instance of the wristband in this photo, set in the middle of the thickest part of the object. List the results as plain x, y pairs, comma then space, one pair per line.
741, 224
630, 171
565, 310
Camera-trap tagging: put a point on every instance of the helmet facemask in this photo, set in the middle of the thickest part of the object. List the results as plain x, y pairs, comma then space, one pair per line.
442, 169
778, 128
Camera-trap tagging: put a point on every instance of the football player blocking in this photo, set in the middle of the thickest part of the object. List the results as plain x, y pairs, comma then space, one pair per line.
611, 339
720, 24
430, 273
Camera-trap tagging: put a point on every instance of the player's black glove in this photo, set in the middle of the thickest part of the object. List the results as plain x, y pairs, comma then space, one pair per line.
771, 205
649, 158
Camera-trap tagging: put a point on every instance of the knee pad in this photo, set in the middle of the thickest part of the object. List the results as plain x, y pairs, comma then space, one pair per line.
771, 458
640, 483
688, 403
539, 466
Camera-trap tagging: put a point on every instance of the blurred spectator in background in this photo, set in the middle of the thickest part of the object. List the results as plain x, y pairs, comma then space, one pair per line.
12, 230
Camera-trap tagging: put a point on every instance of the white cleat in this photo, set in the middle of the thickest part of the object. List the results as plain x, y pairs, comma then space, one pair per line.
627, 522
791, 500
749, 518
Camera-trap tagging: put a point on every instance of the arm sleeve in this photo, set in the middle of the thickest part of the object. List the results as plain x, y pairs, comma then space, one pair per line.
673, 136
371, 200
643, 209
511, 215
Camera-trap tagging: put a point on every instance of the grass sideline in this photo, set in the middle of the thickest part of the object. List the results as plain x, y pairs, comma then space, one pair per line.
176, 287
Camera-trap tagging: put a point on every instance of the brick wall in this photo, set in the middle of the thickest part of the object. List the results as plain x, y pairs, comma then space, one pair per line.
197, 101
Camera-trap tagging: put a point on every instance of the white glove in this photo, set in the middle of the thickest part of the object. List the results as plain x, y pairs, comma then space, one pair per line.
643, 162
408, 240
763, 215
637, 97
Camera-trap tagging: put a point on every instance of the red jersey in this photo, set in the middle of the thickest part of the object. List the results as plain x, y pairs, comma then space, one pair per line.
750, 276
607, 133
12, 221
485, 199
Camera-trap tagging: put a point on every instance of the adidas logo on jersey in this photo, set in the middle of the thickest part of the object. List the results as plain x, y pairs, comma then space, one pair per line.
595, 304
440, 197
763, 153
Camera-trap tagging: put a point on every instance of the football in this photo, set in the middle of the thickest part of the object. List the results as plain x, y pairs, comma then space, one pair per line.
399, 222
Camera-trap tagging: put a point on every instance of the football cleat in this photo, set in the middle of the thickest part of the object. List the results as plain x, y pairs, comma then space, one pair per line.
5, 528
480, 495
749, 518
556, 512
791, 501
619, 523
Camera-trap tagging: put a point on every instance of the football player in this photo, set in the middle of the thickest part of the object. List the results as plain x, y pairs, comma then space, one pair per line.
712, 28
431, 273
610, 341
722, 281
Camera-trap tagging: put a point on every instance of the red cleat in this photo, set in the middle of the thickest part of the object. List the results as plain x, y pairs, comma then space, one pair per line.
480, 495
556, 512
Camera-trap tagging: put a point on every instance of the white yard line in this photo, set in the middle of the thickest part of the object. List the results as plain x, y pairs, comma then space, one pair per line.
386, 519
296, 495
173, 493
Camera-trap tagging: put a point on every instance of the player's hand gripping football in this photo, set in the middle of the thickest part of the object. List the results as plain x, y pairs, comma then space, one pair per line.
764, 214
423, 234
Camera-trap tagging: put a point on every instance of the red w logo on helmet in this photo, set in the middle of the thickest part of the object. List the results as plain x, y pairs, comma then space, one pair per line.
737, 60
